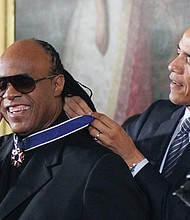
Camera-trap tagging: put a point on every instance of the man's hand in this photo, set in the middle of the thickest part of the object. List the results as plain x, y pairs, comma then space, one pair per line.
75, 106
114, 137
108, 132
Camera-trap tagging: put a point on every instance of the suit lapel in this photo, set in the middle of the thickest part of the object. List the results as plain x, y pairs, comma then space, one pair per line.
5, 147
155, 144
35, 175
166, 130
4, 151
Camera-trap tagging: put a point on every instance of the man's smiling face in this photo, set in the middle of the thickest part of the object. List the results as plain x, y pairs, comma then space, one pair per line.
27, 113
180, 73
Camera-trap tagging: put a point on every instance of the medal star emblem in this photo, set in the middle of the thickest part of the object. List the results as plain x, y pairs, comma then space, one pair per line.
17, 157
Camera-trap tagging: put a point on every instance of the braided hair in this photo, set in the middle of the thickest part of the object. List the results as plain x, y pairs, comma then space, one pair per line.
71, 87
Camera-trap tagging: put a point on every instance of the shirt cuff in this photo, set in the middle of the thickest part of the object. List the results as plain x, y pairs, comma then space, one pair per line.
137, 167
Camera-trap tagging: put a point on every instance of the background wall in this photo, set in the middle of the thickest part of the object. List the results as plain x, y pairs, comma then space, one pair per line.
119, 48
6, 38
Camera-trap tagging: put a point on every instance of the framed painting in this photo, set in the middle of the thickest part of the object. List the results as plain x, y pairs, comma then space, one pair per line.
118, 48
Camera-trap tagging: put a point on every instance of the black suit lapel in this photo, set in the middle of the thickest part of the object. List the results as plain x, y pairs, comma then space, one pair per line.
5, 147
5, 163
155, 144
35, 175
165, 132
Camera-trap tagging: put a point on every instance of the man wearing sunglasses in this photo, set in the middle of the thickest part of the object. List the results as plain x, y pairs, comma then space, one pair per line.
50, 167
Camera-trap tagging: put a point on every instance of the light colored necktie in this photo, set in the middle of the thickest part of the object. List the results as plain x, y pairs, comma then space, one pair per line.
177, 147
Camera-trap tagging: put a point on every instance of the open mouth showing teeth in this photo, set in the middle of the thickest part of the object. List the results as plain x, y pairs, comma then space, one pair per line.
176, 83
18, 109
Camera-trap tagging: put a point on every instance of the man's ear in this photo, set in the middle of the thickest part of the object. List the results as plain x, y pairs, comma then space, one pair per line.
59, 84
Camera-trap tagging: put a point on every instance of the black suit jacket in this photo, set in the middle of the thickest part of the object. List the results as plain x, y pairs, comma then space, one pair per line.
152, 132
72, 178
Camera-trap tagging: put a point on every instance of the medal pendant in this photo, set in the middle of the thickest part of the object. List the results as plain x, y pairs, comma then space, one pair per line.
17, 157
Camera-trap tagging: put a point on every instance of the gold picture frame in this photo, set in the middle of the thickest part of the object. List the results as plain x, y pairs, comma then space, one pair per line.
7, 37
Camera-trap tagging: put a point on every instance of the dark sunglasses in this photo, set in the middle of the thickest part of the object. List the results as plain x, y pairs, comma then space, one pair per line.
23, 83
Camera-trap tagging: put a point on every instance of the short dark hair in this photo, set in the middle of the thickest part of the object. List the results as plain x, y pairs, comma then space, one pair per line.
71, 87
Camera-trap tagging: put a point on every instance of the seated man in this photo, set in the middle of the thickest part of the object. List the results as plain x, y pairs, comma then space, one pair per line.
50, 167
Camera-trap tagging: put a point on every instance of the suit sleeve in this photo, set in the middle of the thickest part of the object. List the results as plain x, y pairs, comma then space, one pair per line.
163, 205
111, 192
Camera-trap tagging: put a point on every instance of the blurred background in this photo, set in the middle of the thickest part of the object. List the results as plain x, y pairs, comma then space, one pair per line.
118, 48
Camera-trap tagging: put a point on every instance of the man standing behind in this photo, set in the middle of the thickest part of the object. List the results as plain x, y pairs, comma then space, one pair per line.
50, 169
158, 147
